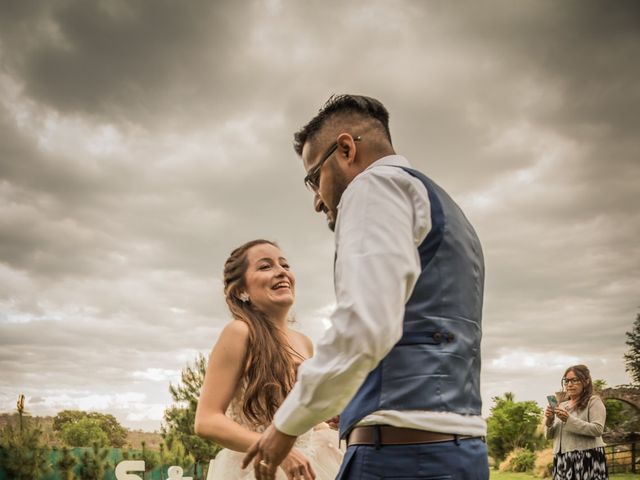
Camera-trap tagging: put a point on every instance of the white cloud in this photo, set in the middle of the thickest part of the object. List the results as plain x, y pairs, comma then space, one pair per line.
153, 412
157, 375
523, 360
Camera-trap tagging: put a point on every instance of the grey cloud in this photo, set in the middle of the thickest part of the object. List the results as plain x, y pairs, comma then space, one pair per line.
112, 244
123, 60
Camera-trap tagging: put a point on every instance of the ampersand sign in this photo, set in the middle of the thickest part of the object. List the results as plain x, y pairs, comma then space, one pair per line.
175, 473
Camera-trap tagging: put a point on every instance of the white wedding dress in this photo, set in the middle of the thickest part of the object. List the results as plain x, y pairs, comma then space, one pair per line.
319, 446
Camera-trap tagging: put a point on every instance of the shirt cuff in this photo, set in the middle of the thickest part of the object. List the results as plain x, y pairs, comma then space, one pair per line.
293, 419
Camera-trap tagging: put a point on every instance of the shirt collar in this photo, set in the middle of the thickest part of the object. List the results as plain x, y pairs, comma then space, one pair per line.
394, 160
389, 160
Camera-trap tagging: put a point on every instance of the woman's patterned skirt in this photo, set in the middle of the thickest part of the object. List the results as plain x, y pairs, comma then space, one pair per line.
581, 465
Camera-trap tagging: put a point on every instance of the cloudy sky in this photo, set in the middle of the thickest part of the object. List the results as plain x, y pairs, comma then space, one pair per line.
140, 142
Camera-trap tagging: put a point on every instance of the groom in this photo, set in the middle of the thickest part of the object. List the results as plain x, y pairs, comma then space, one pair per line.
402, 358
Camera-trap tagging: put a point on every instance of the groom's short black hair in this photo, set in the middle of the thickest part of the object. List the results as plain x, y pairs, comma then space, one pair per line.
340, 105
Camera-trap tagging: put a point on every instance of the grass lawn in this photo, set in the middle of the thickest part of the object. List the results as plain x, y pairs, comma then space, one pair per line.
495, 475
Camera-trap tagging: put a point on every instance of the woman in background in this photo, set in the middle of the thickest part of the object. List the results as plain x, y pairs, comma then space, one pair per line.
253, 366
576, 425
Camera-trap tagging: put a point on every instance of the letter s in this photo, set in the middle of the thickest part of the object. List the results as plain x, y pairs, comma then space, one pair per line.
122, 469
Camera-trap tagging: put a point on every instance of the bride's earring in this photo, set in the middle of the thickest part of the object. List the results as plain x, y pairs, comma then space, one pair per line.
244, 297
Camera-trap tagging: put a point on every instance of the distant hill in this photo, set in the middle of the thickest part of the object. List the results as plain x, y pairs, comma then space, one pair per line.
134, 437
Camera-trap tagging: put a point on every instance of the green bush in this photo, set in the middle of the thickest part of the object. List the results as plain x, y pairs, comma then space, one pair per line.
84, 433
518, 460
513, 425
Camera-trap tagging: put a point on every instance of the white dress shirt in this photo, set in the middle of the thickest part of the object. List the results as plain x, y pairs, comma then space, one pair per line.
383, 216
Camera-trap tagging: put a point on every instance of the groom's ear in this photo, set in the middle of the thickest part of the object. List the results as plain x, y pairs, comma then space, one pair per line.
346, 148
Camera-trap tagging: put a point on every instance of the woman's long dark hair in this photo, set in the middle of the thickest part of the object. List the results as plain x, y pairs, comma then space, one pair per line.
583, 374
269, 368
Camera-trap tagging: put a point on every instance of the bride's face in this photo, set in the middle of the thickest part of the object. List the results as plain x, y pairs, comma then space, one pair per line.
269, 281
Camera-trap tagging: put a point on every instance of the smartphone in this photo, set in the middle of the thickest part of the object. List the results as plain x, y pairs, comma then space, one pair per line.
553, 401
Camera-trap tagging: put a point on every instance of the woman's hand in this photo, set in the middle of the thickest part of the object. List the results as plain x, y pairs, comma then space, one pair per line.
549, 414
562, 414
297, 467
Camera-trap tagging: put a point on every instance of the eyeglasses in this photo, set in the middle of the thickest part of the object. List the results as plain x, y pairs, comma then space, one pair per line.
570, 381
312, 179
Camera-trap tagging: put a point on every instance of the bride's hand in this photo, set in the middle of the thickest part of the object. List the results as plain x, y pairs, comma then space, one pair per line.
297, 467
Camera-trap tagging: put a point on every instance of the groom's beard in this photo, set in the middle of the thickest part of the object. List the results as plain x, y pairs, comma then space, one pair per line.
340, 184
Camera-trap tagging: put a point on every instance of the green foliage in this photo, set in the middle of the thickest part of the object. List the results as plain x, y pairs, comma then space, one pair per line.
621, 417
632, 357
599, 385
65, 464
84, 433
180, 417
513, 425
94, 463
615, 415
519, 460
151, 458
67, 416
172, 452
116, 433
23, 454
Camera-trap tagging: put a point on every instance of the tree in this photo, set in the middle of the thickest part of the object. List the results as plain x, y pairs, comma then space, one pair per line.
172, 452
84, 433
632, 357
151, 459
23, 454
513, 425
67, 416
599, 385
180, 417
94, 463
115, 432
65, 464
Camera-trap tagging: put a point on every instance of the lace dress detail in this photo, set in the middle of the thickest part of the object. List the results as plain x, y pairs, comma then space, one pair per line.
319, 445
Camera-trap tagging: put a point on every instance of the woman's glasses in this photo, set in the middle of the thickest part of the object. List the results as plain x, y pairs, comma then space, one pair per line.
570, 381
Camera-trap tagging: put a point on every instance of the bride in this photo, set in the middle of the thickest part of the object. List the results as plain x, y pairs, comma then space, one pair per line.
253, 366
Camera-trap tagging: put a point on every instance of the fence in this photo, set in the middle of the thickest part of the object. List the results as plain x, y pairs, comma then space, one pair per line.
623, 457
114, 456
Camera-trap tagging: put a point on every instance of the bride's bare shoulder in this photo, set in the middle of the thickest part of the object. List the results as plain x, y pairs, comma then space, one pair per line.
235, 333
301, 343
237, 328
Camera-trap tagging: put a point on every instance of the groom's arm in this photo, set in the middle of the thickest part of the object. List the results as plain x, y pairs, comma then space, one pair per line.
380, 224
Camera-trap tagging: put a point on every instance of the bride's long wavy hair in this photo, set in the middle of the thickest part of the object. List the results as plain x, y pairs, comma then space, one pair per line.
269, 370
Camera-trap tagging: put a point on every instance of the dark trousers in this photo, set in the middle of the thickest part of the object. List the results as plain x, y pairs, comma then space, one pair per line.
462, 460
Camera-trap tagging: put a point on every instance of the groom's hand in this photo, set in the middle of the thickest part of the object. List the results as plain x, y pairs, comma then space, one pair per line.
334, 422
268, 453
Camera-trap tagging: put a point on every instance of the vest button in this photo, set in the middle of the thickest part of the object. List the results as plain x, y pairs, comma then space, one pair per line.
450, 337
437, 337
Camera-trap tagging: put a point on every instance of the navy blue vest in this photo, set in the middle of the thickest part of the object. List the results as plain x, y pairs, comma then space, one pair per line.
436, 364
